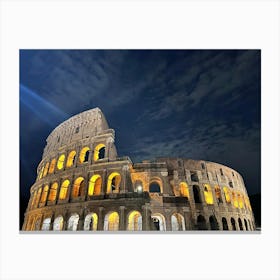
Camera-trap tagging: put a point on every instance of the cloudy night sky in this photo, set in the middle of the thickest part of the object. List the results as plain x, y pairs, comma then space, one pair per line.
199, 104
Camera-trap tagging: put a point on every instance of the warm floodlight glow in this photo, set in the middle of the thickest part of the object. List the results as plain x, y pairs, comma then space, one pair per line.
208, 194
99, 152
95, 183
60, 162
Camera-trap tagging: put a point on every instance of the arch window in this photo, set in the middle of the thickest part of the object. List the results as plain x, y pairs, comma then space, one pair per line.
64, 189
95, 183
113, 185
184, 190
71, 158
53, 192
60, 162
52, 166
201, 223
234, 200
138, 186
225, 224
196, 194
73, 222
159, 222
213, 223
84, 155
38, 197
246, 225
79, 187
91, 221
111, 222
134, 221
177, 222
46, 224
240, 201
218, 194
58, 223
41, 172
208, 194
33, 199
233, 224
194, 176
240, 224
154, 187
46, 169
227, 194
45, 194
99, 152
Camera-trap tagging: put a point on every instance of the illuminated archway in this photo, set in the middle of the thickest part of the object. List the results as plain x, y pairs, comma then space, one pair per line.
52, 166
177, 222
218, 194
99, 152
91, 221
227, 194
78, 187
134, 221
46, 224
60, 162
73, 222
84, 155
64, 189
114, 181
71, 158
184, 190
38, 197
111, 221
208, 194
95, 184
46, 169
234, 200
33, 199
240, 201
53, 192
158, 222
138, 186
58, 223
45, 194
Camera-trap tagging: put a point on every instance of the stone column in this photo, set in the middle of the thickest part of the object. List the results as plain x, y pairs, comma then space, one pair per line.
122, 218
100, 224
146, 217
123, 187
109, 143
187, 218
167, 218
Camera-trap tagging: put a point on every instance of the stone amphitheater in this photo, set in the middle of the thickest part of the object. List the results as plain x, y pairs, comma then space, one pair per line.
82, 185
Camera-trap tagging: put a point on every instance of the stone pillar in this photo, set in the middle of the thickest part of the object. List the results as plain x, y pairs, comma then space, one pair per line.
187, 218
51, 223
146, 218
81, 220
167, 218
122, 218
100, 224
123, 187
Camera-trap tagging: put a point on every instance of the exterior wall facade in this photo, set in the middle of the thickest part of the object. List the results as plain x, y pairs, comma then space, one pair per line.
83, 185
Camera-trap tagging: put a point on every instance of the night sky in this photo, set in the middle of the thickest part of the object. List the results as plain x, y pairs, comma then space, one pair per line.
199, 104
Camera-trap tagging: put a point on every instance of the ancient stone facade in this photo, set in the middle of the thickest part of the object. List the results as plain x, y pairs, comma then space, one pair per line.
83, 185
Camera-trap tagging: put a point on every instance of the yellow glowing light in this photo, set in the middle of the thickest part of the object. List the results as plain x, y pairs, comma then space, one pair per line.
218, 193
83, 153
184, 190
78, 187
34, 198
234, 199
41, 172
53, 192
208, 194
95, 183
71, 158
52, 166
113, 182
91, 222
97, 150
134, 221
64, 189
113, 221
60, 162
38, 197
240, 201
45, 193
227, 194
46, 169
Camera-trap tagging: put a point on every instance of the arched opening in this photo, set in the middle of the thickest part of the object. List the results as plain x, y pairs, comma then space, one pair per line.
225, 224
154, 187
184, 190
46, 224
73, 222
201, 223
208, 194
246, 225
78, 188
240, 224
99, 152
95, 183
240, 201
194, 176
196, 194
46, 169
234, 199
60, 162
33, 199
71, 158
134, 221
52, 166
177, 222
213, 223
218, 194
53, 192
233, 224
84, 155
113, 185
64, 189
91, 221
138, 186
58, 223
111, 222
227, 194
158, 222
45, 194
41, 172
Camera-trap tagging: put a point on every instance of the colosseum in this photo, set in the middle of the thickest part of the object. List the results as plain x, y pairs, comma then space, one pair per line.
82, 185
